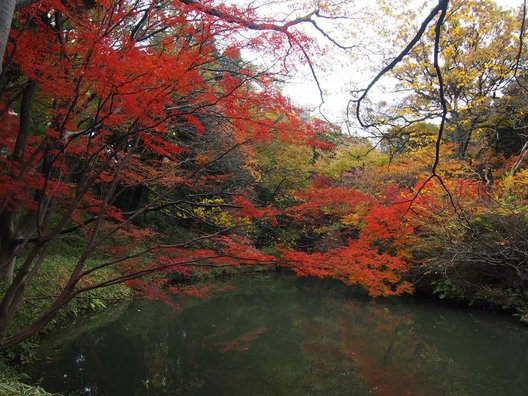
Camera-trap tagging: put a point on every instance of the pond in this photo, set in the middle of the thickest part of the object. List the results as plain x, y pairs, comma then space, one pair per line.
281, 335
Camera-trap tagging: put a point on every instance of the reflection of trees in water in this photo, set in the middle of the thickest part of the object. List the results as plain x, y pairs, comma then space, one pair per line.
388, 351
382, 349
240, 343
293, 338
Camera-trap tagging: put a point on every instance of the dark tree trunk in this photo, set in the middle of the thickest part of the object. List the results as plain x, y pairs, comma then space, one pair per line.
7, 247
9, 215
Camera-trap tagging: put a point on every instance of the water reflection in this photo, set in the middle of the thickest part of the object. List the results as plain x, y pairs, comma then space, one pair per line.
287, 336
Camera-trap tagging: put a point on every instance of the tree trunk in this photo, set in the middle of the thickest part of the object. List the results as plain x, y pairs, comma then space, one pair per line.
7, 266
7, 9
7, 260
10, 216
36, 327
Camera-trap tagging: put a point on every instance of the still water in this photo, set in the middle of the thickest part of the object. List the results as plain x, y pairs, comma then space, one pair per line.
279, 335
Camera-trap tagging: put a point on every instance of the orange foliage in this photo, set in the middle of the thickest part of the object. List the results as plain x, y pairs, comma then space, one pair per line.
376, 259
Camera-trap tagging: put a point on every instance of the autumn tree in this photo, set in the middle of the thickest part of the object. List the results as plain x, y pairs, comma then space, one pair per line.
480, 54
95, 103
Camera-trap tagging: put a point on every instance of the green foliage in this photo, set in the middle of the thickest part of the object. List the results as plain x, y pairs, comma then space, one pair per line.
446, 288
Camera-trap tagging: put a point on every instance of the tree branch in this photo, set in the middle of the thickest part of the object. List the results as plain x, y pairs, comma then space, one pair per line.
441, 7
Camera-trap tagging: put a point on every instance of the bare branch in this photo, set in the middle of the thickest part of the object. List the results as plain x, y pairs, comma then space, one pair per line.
441, 7
230, 18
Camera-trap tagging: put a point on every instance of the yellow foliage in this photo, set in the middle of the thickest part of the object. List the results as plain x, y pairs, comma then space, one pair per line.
516, 185
348, 157
284, 164
353, 220
214, 214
